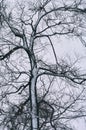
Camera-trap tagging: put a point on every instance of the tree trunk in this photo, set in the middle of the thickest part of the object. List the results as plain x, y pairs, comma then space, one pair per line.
33, 95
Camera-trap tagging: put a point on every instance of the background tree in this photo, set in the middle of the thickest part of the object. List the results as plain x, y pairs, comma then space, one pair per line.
37, 94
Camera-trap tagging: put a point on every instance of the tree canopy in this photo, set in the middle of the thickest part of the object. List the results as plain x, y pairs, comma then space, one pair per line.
35, 93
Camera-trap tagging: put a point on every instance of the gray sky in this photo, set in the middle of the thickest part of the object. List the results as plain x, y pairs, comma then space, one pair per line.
71, 47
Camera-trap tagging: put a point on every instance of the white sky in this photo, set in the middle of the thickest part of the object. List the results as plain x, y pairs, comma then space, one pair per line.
70, 47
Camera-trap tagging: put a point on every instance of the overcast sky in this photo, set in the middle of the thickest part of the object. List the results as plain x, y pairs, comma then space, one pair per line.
71, 47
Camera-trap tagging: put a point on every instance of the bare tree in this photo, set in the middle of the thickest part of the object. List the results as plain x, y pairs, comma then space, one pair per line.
28, 81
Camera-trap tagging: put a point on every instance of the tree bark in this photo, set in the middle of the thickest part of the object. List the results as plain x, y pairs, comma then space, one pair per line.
33, 98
